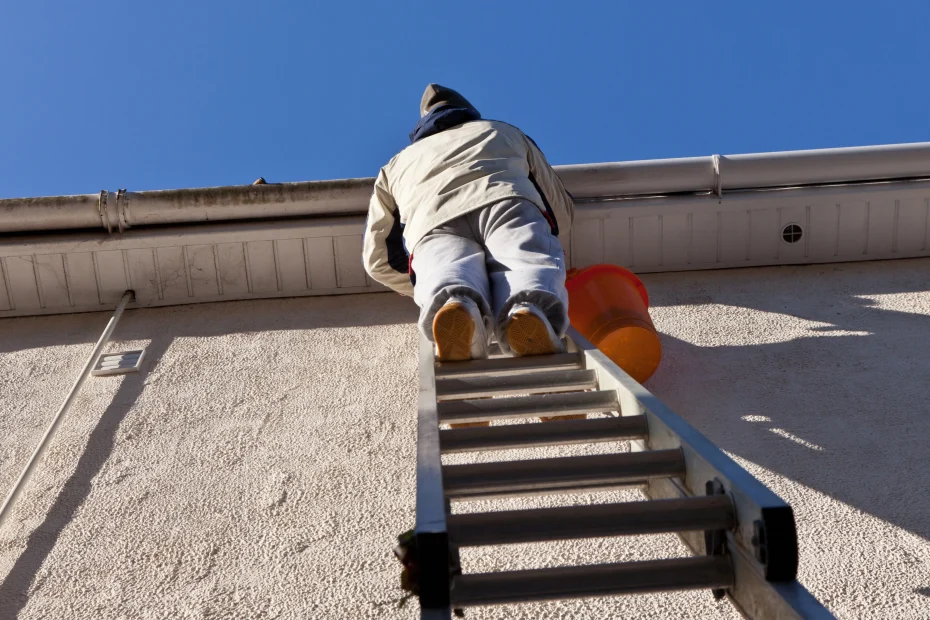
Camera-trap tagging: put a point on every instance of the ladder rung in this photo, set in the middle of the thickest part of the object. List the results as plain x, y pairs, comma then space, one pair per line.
575, 403
548, 584
510, 365
548, 434
537, 383
647, 517
481, 480
495, 351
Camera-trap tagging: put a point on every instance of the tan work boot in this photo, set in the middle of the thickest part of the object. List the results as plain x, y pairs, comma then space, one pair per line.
460, 335
528, 332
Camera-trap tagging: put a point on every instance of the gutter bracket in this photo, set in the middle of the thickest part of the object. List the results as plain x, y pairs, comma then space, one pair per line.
122, 208
102, 210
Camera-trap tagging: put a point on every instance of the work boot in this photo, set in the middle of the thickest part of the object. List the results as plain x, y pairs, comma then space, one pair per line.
528, 332
459, 331
460, 334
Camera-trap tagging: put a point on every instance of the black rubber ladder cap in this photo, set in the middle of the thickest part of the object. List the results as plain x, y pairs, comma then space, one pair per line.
688, 514
568, 582
484, 409
558, 433
560, 475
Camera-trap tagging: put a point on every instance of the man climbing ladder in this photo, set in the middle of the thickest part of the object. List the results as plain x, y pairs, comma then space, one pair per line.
466, 219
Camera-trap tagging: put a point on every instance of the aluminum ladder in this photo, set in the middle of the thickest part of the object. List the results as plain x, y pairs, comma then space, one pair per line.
742, 535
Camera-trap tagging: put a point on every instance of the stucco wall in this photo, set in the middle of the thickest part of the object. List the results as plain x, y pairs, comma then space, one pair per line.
262, 462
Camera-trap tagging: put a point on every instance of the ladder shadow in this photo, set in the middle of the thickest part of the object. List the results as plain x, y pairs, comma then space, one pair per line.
15, 588
836, 407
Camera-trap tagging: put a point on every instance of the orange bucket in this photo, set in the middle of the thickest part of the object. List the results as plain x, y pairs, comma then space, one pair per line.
609, 306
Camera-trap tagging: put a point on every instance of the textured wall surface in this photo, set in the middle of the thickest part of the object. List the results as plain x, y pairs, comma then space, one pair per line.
262, 463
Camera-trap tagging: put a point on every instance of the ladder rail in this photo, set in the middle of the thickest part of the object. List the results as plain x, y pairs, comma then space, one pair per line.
763, 547
431, 528
761, 550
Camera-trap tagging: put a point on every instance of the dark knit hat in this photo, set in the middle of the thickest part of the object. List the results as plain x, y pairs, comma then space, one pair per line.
436, 95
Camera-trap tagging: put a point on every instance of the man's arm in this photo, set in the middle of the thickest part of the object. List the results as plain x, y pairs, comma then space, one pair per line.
383, 252
550, 186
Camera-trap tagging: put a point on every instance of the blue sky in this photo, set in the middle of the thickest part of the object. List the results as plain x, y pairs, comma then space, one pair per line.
152, 95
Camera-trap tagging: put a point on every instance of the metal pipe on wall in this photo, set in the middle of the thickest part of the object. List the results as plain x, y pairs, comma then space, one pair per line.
115, 212
65, 406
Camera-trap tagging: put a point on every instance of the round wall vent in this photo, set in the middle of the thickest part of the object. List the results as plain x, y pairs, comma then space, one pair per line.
792, 233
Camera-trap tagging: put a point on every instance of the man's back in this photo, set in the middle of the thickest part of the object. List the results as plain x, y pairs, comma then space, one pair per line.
466, 219
453, 172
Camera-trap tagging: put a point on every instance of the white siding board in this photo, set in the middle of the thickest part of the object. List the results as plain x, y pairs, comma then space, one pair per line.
880, 241
647, 248
111, 275
82, 279
588, 242
703, 237
734, 236
234, 278
852, 229
821, 231
616, 240
5, 303
675, 229
50, 271
292, 264
912, 226
143, 275
202, 269
764, 234
321, 262
349, 270
22, 279
172, 271
261, 266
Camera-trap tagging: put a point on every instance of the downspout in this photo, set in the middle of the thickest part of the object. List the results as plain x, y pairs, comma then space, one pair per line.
65, 406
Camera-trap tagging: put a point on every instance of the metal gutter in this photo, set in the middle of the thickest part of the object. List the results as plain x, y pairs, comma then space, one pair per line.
722, 173
117, 211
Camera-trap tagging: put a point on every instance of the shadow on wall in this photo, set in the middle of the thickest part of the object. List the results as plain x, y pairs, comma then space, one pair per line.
201, 320
14, 590
841, 408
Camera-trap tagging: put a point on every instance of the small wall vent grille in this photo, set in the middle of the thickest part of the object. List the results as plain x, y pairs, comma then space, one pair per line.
118, 363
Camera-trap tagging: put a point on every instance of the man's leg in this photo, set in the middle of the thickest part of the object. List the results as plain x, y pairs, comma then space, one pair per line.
526, 267
452, 291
